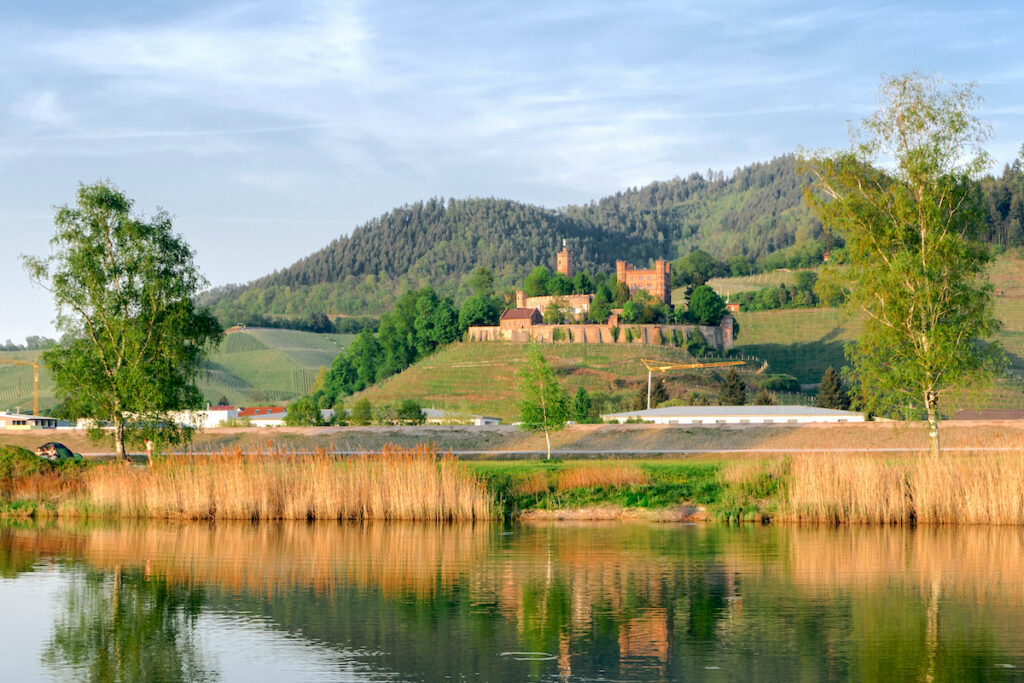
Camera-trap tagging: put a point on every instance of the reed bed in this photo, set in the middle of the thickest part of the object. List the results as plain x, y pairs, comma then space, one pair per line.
862, 488
391, 484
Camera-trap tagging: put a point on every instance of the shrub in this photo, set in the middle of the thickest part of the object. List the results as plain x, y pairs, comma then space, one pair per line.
783, 383
18, 462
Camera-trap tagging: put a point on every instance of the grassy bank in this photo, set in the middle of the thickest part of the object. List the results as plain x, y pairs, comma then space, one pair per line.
415, 484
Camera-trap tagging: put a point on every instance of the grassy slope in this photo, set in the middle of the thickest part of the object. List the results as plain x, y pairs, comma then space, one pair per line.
255, 366
479, 377
804, 342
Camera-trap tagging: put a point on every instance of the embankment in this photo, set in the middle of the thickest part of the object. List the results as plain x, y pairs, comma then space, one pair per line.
633, 440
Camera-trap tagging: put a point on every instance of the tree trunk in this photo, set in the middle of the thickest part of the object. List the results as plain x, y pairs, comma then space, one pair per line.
931, 404
119, 449
547, 437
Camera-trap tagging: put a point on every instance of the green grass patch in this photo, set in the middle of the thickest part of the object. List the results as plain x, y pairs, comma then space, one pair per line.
526, 485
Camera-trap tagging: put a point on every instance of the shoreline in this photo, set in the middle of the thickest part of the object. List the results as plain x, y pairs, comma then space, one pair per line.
401, 484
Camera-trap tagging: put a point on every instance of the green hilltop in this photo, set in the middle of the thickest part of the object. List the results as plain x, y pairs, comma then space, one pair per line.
757, 212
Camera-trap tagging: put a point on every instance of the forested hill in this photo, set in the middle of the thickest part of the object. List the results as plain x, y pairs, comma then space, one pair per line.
755, 212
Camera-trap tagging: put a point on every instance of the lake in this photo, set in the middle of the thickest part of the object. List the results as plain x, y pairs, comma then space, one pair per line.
109, 601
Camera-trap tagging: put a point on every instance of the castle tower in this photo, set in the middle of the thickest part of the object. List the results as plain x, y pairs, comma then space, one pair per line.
520, 299
564, 261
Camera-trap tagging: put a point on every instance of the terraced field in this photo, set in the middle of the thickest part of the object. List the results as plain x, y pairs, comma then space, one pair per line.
256, 365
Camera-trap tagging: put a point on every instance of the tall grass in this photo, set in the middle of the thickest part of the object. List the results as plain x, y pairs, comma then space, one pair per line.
867, 489
601, 475
392, 484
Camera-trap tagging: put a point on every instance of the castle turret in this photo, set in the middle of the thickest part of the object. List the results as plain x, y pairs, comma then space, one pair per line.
564, 261
520, 299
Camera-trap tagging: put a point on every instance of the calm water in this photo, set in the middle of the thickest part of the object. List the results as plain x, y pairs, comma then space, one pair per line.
407, 602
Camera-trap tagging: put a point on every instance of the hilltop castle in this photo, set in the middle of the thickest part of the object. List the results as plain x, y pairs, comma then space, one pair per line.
657, 281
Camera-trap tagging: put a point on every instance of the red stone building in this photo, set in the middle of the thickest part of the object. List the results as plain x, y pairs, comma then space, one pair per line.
520, 319
564, 261
657, 281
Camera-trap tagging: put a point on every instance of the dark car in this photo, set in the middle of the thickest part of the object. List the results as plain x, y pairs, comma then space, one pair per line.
57, 452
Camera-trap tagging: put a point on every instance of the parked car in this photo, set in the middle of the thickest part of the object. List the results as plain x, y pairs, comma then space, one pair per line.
57, 452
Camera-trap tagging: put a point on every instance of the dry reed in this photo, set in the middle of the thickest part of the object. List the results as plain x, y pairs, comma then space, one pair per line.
392, 484
601, 475
951, 489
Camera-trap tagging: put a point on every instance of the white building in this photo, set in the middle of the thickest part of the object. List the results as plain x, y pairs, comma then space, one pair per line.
433, 416
712, 415
20, 421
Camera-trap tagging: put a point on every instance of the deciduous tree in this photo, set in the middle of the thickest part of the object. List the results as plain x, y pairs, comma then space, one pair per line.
905, 201
125, 288
544, 405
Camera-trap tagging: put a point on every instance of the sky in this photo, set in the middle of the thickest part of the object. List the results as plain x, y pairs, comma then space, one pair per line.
267, 129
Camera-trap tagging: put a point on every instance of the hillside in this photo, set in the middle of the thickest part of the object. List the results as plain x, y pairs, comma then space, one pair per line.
803, 342
251, 367
479, 377
755, 212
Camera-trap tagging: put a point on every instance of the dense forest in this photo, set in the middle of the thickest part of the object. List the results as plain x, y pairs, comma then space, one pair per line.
756, 215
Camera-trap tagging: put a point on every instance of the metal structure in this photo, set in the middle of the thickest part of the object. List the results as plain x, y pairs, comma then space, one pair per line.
35, 379
663, 366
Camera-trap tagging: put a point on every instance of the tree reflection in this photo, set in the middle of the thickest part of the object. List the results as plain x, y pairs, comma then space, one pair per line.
126, 626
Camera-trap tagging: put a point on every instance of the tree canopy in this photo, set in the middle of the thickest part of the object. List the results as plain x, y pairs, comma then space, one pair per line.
125, 288
916, 268
544, 404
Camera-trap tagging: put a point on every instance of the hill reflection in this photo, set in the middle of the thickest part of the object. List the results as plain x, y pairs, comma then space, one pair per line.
642, 602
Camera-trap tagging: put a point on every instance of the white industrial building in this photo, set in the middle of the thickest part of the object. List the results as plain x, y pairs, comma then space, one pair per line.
434, 416
715, 415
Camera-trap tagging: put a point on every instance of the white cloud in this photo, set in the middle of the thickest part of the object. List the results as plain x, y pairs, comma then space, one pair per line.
41, 109
328, 42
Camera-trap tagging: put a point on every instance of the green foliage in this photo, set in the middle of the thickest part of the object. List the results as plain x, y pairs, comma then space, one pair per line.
581, 407
536, 283
733, 391
706, 306
16, 462
696, 268
831, 392
764, 398
696, 344
556, 312
558, 334
659, 395
134, 339
544, 405
410, 412
362, 413
479, 309
783, 383
916, 267
303, 413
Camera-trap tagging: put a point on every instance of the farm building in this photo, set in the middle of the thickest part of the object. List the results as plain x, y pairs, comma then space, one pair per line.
520, 319
712, 415
264, 416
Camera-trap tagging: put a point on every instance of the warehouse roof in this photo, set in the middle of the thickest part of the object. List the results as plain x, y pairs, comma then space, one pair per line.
733, 411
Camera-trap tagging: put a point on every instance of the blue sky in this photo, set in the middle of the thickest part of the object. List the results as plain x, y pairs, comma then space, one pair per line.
267, 128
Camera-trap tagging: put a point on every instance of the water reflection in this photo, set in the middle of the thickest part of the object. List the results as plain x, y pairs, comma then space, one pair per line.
557, 602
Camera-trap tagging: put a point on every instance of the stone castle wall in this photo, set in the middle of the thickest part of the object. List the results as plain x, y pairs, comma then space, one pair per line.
718, 337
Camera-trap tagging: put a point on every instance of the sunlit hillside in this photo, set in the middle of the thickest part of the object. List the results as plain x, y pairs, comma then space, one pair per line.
479, 377
256, 365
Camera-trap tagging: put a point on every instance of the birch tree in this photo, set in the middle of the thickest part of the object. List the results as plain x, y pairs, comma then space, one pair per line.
905, 200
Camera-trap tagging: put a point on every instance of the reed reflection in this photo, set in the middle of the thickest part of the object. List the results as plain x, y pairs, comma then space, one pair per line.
636, 602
